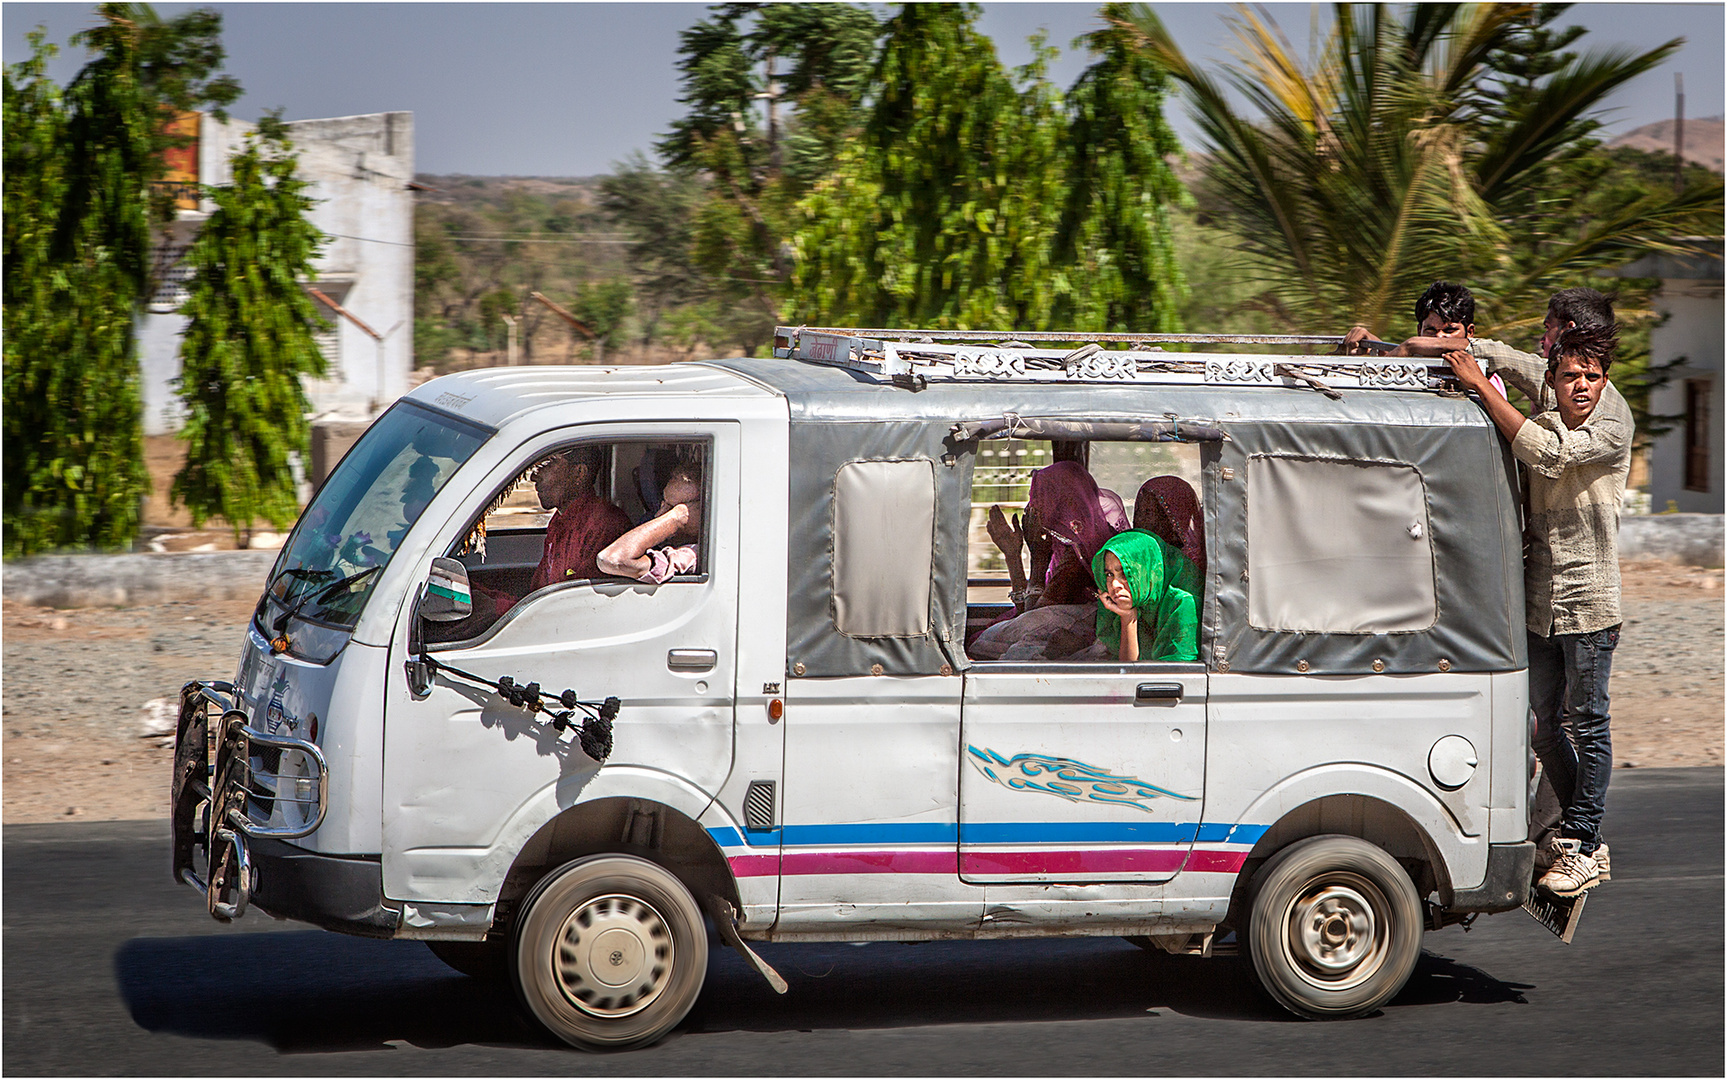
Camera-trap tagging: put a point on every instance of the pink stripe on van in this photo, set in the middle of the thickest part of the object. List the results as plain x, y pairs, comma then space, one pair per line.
870, 862
1093, 861
754, 865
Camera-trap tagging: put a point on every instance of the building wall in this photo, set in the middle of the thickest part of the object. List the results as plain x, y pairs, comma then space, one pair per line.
359, 168
1693, 330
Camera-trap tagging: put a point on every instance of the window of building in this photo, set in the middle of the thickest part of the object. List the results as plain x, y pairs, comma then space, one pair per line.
1697, 392
1340, 547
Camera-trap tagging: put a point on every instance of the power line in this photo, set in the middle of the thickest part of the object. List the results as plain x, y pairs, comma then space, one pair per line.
528, 240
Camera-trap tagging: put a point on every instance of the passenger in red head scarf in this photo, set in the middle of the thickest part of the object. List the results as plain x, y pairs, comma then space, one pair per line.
1167, 507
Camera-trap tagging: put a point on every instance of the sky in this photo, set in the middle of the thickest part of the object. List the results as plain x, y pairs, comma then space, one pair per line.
569, 89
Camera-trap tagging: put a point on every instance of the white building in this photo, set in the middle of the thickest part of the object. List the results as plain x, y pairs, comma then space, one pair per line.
359, 169
1685, 464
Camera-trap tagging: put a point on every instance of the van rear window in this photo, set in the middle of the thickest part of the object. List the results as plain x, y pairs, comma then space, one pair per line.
1338, 547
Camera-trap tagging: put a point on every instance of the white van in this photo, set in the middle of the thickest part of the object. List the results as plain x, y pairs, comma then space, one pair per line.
802, 748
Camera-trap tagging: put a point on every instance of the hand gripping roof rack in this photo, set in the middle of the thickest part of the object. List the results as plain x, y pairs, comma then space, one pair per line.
914, 357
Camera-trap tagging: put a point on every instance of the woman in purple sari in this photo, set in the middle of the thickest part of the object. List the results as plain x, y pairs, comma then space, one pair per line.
1064, 526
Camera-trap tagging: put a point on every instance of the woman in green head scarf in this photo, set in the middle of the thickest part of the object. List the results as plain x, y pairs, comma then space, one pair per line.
1147, 590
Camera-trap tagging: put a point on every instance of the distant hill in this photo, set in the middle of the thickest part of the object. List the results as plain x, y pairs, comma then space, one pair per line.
463, 189
1703, 140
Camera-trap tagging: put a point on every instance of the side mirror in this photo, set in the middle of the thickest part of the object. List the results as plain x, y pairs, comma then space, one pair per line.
448, 597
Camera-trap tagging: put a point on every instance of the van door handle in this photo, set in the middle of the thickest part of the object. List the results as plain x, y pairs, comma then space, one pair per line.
1150, 692
692, 659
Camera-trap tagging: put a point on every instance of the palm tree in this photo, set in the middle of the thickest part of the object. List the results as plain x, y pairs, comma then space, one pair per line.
1396, 160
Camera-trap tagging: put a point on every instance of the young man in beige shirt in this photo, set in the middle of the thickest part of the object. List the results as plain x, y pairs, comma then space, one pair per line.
1577, 446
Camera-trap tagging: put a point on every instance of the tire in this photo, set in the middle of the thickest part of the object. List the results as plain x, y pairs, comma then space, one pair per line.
610, 952
487, 960
1335, 927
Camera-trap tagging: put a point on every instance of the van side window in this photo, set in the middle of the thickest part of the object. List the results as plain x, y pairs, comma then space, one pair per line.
550, 523
884, 547
1050, 507
1341, 547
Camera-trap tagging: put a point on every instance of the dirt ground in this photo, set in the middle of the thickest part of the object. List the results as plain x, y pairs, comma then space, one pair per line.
77, 685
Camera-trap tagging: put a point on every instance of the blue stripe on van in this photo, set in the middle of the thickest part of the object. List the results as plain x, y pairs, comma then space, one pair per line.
1005, 832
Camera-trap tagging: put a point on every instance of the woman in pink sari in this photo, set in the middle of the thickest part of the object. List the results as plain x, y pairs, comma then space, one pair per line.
1064, 526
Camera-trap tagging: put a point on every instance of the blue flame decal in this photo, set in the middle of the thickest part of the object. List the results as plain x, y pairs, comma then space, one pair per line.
1072, 780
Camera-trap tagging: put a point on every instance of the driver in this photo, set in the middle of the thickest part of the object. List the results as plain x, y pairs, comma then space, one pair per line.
583, 522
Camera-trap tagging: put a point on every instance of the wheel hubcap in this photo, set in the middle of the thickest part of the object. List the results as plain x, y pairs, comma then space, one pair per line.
1336, 938
614, 954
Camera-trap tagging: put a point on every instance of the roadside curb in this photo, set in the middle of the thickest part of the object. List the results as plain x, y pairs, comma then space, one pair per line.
68, 581
1689, 539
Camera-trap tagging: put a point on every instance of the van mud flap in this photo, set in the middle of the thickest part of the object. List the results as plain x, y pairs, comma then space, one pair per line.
1560, 914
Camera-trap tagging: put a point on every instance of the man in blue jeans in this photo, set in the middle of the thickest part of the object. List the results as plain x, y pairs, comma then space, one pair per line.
1577, 446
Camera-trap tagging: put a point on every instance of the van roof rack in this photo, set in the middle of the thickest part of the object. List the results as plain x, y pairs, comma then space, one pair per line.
915, 357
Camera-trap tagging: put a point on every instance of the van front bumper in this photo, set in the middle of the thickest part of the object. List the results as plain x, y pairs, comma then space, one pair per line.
1510, 869
234, 792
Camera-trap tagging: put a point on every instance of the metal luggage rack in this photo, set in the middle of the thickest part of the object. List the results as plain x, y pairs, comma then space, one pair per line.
913, 357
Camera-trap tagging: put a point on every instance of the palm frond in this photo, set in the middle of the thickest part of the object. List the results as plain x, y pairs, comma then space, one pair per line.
1545, 123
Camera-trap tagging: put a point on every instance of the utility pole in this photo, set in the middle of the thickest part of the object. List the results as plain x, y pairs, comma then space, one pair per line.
1678, 131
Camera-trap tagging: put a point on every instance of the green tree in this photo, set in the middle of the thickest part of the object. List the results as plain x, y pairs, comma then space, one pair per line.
657, 210
179, 62
1116, 225
1405, 155
249, 340
74, 445
978, 198
937, 215
77, 264
606, 307
808, 63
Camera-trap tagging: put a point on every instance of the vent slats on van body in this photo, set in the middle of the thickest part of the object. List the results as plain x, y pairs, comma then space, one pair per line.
759, 805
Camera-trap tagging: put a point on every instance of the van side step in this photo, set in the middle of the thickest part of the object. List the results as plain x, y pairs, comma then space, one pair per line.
726, 919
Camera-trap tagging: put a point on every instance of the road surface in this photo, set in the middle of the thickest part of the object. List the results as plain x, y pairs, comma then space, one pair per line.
109, 967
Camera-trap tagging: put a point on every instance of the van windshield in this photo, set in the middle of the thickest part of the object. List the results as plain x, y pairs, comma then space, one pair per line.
354, 525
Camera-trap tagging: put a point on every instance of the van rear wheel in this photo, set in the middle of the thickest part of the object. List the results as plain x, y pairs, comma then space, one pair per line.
610, 952
1335, 927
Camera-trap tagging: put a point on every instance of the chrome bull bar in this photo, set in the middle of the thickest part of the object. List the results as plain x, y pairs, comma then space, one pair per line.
215, 788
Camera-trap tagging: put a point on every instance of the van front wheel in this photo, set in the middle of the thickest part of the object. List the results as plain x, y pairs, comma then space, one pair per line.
610, 952
1335, 928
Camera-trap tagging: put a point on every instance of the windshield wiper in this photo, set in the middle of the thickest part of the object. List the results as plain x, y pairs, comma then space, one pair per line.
328, 591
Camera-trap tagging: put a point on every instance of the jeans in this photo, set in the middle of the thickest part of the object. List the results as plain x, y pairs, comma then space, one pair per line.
1568, 691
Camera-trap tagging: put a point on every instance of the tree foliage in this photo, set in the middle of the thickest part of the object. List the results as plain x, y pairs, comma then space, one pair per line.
1419, 146
1116, 225
79, 164
76, 259
976, 198
249, 340
808, 63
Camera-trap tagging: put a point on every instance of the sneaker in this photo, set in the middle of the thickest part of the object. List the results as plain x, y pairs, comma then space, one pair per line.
1572, 873
1545, 854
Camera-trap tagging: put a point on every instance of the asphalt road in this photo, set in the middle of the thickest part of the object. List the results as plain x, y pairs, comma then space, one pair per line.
111, 968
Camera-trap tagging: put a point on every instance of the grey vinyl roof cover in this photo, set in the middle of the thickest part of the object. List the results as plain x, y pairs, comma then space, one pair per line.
838, 416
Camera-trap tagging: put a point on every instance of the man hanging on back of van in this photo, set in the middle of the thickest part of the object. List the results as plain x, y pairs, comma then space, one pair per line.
1577, 446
